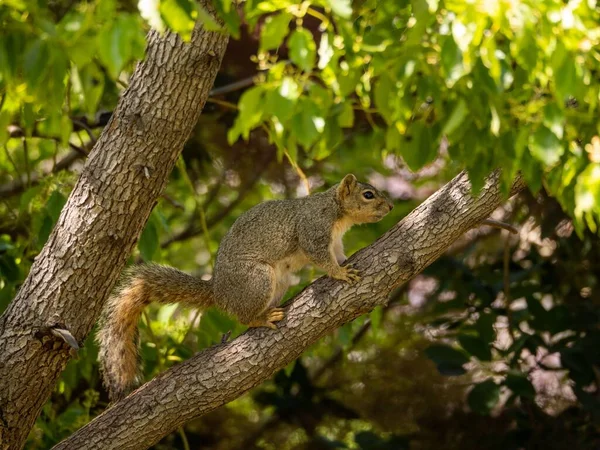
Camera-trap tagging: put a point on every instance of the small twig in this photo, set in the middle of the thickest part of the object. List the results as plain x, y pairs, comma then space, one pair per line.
79, 150
172, 201
235, 86
85, 126
184, 439
225, 337
498, 224
228, 105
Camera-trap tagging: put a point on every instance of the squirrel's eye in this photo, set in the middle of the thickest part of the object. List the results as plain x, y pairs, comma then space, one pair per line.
368, 195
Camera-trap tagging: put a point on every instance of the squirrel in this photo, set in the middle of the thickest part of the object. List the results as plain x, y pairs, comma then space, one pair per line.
252, 271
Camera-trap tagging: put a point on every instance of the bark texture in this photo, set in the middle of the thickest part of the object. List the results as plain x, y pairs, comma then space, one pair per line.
224, 372
99, 225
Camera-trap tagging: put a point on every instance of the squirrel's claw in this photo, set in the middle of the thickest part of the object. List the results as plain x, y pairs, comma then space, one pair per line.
349, 274
272, 315
275, 315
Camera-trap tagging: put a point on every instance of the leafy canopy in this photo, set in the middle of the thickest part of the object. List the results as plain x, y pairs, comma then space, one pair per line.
341, 86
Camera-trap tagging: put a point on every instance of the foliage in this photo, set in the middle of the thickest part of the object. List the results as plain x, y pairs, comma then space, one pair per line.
369, 87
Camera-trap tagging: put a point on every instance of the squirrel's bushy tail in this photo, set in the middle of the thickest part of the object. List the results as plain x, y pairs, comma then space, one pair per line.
118, 331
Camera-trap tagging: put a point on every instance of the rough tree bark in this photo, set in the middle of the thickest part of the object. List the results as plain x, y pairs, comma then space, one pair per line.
224, 372
124, 174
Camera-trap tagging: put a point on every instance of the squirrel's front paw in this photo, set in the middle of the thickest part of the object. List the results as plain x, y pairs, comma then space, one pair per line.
348, 273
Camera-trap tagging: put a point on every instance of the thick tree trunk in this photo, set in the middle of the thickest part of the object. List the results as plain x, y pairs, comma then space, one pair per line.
99, 225
224, 372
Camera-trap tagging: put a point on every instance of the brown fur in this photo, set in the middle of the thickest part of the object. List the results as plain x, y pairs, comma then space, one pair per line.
255, 261
118, 334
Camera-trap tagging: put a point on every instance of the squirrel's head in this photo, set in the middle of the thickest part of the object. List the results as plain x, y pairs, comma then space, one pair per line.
361, 202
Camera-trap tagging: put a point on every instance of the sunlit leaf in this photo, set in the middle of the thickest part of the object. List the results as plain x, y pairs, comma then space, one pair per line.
342, 8
545, 146
302, 49
274, 31
180, 16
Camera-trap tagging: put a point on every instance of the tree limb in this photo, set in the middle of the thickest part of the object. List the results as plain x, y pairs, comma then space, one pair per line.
99, 225
224, 372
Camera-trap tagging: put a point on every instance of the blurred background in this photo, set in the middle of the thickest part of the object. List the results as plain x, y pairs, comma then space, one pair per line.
495, 346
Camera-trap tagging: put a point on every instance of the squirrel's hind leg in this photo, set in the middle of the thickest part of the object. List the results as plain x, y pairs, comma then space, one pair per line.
248, 290
270, 316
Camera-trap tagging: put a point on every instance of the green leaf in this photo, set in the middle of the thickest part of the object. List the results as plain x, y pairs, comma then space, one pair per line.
92, 87
45, 230
289, 89
527, 54
452, 61
279, 106
218, 321
587, 190
545, 146
342, 8
459, 113
229, 15
485, 327
345, 335
448, 360
303, 49
274, 31
308, 123
35, 59
376, 317
346, 116
519, 384
82, 53
9, 270
150, 12
117, 43
208, 21
250, 113
180, 16
532, 172
4, 122
393, 139
554, 119
148, 243
420, 147
55, 204
483, 397
475, 346
566, 79
580, 370
384, 100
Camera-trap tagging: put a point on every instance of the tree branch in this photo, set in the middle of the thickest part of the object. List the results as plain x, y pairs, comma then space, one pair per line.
224, 372
99, 225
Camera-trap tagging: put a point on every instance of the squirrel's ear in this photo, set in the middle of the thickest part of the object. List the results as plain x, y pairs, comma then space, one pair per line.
347, 185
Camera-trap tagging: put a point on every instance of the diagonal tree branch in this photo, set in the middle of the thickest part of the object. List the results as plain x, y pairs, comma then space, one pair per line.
98, 227
224, 372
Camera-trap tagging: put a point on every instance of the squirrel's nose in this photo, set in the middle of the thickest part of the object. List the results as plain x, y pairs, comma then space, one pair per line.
390, 205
